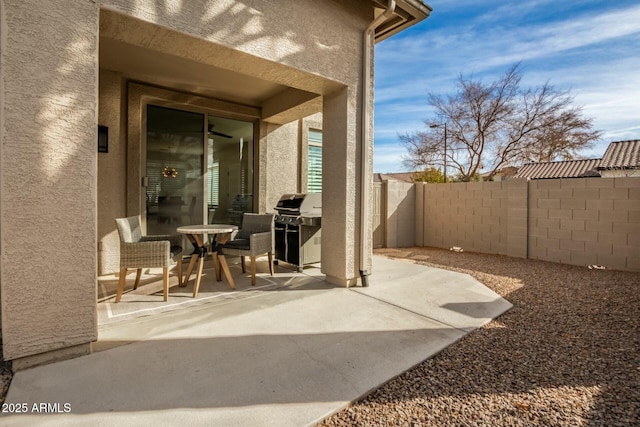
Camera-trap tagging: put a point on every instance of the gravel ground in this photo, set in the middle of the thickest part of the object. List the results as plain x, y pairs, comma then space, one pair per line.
5, 374
566, 354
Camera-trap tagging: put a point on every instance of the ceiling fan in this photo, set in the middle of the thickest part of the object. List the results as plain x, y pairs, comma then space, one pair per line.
212, 132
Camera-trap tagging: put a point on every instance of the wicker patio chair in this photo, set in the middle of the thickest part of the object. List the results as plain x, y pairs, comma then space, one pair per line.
138, 251
255, 237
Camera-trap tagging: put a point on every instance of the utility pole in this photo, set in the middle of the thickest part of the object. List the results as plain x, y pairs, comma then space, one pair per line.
437, 125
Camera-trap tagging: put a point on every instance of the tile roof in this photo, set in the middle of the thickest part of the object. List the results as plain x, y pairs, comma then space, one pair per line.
401, 176
621, 155
565, 169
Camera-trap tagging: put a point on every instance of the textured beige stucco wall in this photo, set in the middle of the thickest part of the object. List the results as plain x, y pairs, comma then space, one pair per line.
313, 122
283, 159
112, 176
316, 36
340, 207
279, 153
48, 104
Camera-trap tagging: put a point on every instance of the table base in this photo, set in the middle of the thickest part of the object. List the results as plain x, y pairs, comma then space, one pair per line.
219, 265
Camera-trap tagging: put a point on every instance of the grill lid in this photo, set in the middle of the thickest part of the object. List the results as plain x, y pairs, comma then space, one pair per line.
289, 204
300, 204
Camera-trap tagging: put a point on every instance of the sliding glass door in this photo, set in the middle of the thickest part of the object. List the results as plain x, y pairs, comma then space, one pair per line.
230, 169
199, 169
175, 168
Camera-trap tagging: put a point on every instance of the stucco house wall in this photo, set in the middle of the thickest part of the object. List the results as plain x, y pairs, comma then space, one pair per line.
279, 154
48, 182
62, 196
313, 122
112, 177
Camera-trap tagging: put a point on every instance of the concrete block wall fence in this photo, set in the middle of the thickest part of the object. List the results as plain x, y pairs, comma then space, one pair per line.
580, 221
586, 221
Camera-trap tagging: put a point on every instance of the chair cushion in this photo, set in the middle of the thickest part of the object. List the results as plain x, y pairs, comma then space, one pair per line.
237, 244
255, 223
175, 250
242, 235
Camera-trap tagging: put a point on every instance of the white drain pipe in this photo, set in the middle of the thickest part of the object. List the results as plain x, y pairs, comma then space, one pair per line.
366, 173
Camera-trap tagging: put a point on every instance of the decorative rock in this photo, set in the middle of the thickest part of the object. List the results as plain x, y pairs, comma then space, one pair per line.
566, 354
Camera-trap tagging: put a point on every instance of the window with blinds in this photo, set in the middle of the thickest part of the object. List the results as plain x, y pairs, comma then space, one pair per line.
314, 166
214, 184
158, 185
154, 176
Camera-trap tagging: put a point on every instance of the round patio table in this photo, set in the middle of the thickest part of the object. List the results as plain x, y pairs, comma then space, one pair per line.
197, 235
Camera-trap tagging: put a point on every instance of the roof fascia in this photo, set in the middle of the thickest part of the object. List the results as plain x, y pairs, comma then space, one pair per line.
407, 13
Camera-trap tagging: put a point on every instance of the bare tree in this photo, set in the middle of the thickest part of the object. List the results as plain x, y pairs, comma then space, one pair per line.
498, 125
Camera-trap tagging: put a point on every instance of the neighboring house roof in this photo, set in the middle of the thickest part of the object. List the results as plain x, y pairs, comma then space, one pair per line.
565, 169
621, 155
402, 176
507, 172
406, 14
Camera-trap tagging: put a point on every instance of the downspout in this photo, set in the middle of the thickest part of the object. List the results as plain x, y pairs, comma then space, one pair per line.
366, 174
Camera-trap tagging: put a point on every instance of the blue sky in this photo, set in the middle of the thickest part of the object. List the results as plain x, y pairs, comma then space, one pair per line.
591, 48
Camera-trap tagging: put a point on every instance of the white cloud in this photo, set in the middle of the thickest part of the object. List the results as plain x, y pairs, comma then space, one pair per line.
535, 41
475, 47
586, 46
388, 158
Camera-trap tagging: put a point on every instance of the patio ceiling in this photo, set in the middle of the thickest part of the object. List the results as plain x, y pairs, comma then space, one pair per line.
182, 74
155, 55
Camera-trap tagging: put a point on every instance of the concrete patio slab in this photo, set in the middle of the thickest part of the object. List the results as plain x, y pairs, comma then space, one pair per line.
455, 299
148, 299
288, 356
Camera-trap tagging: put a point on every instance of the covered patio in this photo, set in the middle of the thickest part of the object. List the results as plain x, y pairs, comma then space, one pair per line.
147, 299
290, 354
98, 114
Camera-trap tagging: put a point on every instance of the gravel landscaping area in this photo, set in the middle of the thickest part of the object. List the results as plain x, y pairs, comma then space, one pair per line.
5, 375
566, 354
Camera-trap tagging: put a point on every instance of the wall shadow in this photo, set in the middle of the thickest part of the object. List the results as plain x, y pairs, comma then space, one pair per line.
233, 371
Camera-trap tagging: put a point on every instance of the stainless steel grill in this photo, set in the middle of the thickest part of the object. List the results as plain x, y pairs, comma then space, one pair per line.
298, 229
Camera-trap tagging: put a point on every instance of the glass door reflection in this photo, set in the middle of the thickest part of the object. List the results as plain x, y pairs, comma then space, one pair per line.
230, 170
199, 169
175, 169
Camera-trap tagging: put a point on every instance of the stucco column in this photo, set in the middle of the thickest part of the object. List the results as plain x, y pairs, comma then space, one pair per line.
277, 171
340, 188
48, 124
